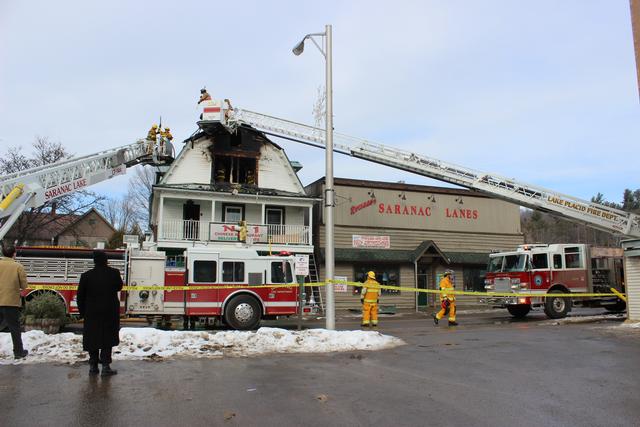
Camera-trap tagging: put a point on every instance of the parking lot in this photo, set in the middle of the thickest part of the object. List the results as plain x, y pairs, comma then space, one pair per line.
489, 371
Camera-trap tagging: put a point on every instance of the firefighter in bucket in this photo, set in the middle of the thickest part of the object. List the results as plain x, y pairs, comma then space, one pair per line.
370, 297
447, 300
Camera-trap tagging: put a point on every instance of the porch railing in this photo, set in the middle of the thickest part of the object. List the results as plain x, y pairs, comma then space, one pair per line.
178, 229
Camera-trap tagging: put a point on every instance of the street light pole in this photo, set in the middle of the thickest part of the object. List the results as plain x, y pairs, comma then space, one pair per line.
329, 194
328, 190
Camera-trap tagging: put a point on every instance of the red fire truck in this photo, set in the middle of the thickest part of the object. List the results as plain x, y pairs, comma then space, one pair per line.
554, 269
228, 284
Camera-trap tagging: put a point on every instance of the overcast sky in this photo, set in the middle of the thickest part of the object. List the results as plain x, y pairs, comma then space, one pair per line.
541, 91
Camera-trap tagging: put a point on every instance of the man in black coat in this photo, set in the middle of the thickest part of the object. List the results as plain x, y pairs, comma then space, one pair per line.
98, 303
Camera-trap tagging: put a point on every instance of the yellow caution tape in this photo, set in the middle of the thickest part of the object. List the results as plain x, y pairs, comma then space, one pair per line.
355, 284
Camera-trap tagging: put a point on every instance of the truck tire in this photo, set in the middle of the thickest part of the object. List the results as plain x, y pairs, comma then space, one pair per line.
519, 310
556, 307
243, 313
618, 306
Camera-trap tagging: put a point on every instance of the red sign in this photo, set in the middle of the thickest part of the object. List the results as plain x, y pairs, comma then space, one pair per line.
64, 189
397, 209
359, 207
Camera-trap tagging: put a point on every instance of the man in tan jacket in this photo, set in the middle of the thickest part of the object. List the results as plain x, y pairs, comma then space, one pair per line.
13, 279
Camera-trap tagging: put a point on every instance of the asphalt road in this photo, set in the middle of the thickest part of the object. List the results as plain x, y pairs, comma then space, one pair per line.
489, 371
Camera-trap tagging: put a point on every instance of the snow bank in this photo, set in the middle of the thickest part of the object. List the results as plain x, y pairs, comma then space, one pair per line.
149, 343
632, 325
585, 319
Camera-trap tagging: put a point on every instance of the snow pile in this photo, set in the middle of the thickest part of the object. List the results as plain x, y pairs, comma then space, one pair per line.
632, 325
585, 319
149, 343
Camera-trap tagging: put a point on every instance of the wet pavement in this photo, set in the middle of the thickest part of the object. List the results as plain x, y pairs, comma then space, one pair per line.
489, 371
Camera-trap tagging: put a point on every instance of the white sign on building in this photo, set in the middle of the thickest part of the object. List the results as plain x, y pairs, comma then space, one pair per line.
340, 287
229, 232
302, 265
378, 242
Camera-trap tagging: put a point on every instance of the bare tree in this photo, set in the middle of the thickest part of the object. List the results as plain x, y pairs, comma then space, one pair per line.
51, 213
139, 194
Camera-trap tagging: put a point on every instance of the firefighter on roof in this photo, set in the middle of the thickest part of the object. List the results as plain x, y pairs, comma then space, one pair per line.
369, 298
204, 95
447, 300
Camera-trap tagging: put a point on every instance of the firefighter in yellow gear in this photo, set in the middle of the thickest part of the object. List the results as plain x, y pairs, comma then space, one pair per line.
166, 133
370, 296
447, 300
243, 231
153, 132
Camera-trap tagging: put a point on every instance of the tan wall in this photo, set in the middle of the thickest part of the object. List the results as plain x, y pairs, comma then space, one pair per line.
412, 210
404, 239
404, 300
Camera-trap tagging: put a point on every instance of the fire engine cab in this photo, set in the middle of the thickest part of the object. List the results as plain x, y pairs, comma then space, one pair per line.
231, 284
556, 268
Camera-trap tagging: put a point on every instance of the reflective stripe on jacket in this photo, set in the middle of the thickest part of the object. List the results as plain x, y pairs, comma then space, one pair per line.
371, 291
446, 285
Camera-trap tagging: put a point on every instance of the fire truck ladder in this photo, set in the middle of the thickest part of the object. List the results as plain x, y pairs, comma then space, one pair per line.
34, 187
597, 216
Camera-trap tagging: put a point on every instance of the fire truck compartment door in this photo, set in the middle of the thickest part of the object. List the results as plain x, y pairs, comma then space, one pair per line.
146, 270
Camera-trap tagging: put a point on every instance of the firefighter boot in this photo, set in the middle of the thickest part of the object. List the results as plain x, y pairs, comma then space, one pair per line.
107, 371
435, 319
93, 368
453, 323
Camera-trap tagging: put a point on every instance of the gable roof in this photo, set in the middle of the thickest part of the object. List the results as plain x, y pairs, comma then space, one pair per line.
54, 225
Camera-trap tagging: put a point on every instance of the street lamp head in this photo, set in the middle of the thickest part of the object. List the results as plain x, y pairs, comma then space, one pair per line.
299, 48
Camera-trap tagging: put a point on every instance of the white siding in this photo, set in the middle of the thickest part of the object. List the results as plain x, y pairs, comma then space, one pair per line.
294, 215
193, 167
173, 209
253, 214
632, 274
275, 171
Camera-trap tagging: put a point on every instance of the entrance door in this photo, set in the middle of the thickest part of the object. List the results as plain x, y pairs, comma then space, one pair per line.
424, 282
191, 217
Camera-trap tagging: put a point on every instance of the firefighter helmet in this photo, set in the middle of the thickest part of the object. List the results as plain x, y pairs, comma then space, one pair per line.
371, 275
447, 273
155, 126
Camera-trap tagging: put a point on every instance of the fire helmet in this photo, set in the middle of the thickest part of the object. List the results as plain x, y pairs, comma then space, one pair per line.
371, 275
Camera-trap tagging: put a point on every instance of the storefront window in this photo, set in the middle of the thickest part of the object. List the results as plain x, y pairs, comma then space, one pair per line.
385, 275
473, 278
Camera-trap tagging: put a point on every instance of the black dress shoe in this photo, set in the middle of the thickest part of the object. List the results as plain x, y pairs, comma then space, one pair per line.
93, 369
107, 371
21, 354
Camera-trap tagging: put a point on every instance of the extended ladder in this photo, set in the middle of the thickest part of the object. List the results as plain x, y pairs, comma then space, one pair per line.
596, 215
33, 187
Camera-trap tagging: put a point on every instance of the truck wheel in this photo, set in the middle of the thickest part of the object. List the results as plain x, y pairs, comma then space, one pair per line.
243, 313
618, 306
556, 307
519, 310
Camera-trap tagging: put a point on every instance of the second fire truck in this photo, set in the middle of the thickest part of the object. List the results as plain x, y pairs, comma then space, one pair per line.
545, 270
